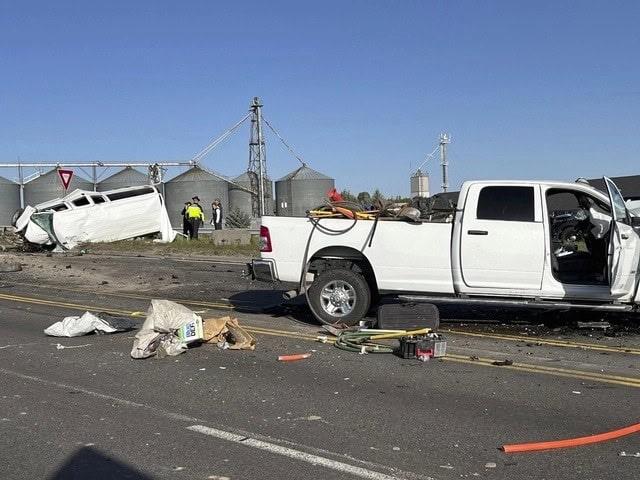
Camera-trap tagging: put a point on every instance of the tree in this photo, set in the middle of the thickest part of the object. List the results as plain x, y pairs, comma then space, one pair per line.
237, 219
364, 198
377, 196
348, 196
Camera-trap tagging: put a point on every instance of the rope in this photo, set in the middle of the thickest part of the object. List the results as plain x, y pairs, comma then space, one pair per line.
284, 142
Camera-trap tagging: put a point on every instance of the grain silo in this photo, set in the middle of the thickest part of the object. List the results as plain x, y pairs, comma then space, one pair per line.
9, 200
419, 184
48, 186
241, 199
127, 177
301, 190
195, 182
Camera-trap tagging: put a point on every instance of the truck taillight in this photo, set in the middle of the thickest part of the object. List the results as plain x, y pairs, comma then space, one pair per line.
265, 240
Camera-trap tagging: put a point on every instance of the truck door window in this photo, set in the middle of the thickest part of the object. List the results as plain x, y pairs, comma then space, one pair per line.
579, 227
512, 204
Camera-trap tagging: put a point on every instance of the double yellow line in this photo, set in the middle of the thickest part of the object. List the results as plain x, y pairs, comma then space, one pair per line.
496, 336
544, 341
451, 357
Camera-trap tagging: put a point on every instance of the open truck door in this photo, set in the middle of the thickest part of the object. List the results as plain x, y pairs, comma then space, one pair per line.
624, 246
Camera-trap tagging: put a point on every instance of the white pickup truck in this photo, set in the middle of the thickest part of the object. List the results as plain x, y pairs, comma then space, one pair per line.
523, 243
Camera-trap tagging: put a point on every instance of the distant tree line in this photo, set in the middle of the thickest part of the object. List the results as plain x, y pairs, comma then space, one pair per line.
367, 199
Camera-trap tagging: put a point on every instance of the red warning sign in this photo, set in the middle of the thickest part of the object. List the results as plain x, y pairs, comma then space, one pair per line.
65, 177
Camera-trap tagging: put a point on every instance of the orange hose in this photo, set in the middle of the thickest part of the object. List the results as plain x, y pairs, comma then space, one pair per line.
291, 358
571, 442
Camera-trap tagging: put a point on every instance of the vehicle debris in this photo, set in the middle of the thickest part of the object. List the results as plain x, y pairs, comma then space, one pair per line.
293, 357
159, 332
625, 454
76, 326
62, 347
597, 325
502, 363
87, 216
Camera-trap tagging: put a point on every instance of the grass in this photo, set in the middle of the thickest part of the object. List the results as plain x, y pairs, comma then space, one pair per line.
203, 246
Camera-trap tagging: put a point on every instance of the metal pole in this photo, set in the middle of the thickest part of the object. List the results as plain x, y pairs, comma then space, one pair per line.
444, 140
95, 178
21, 180
258, 107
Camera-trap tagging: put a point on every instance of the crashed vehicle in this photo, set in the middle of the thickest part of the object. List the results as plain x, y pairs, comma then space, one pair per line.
526, 244
87, 216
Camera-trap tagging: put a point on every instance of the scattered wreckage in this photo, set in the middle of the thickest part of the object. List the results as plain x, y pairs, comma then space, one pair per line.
87, 216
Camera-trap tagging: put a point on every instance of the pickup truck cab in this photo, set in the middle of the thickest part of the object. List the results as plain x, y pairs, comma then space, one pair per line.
530, 243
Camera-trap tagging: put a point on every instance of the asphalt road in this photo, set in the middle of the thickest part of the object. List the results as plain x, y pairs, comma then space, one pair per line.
92, 412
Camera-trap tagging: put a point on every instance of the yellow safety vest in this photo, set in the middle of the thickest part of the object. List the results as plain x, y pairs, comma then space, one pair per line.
195, 212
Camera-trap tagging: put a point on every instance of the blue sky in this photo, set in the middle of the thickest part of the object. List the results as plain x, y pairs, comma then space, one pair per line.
360, 88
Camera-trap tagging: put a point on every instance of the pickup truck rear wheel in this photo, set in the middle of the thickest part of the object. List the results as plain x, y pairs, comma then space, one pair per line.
340, 296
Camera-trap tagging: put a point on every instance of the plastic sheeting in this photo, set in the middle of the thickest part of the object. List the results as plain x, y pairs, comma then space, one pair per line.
87, 323
158, 333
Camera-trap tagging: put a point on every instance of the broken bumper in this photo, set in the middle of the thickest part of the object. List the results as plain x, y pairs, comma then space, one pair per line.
262, 270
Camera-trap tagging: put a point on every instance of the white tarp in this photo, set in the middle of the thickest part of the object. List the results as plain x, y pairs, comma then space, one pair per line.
164, 318
108, 221
76, 326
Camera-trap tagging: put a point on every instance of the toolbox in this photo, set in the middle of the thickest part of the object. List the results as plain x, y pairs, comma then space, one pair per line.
408, 316
423, 347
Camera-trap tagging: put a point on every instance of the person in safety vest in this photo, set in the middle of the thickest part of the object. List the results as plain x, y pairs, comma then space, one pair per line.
195, 215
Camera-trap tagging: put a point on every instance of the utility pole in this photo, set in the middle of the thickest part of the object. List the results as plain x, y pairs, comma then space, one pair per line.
257, 159
21, 181
444, 141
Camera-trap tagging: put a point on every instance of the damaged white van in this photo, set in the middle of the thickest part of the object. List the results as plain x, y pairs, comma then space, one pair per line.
86, 216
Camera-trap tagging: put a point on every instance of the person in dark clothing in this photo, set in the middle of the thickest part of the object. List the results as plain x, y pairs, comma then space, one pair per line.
196, 217
216, 219
186, 225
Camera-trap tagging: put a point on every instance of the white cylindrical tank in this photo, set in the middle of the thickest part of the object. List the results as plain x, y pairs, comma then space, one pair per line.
419, 184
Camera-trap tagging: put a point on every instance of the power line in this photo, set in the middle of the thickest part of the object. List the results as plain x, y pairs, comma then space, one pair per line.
217, 141
284, 142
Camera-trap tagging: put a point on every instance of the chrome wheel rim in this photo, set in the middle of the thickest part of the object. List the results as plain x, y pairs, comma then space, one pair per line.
338, 298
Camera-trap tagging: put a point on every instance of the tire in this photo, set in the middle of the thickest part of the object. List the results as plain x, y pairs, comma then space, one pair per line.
16, 216
339, 296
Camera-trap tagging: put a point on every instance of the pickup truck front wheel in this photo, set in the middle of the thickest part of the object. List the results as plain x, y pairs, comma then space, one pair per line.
340, 296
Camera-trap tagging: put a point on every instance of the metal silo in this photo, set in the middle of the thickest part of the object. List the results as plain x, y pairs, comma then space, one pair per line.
127, 177
48, 186
9, 200
301, 190
419, 184
198, 182
242, 200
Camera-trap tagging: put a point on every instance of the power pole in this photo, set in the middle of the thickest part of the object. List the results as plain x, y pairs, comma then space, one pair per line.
444, 141
257, 159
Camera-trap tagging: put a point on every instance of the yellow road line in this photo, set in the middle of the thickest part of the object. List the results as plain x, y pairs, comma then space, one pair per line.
75, 306
546, 369
521, 368
555, 343
131, 295
531, 368
497, 336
